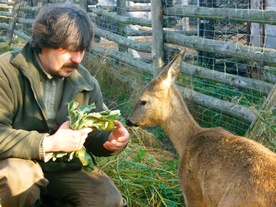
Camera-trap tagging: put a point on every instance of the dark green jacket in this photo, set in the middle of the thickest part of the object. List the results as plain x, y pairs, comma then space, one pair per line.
22, 112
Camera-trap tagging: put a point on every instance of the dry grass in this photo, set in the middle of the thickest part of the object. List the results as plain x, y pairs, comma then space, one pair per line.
144, 173
265, 132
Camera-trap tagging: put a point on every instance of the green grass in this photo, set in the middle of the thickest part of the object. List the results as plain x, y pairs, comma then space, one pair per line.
146, 176
4, 48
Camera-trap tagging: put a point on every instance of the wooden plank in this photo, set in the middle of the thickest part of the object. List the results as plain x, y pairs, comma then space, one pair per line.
4, 25
6, 6
227, 79
84, 4
7, 2
128, 8
227, 108
122, 30
122, 19
4, 14
240, 15
123, 58
167, 22
25, 21
140, 46
30, 9
140, 1
265, 56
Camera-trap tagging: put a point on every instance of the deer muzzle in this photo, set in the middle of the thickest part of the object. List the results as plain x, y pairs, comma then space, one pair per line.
130, 124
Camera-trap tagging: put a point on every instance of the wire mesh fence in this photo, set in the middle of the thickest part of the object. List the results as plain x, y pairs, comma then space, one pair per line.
230, 53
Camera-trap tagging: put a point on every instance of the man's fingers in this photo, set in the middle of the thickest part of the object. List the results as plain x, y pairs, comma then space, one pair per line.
118, 123
85, 131
110, 146
65, 125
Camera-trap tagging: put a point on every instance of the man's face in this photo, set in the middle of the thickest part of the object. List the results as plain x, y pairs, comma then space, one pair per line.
60, 62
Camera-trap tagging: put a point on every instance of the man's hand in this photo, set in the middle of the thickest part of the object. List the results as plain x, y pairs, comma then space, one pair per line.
118, 138
66, 139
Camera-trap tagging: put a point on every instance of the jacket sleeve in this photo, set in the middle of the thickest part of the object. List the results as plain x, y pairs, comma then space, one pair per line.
18, 143
96, 139
94, 143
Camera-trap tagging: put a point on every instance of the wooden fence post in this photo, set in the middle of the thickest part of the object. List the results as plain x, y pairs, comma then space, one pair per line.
13, 21
122, 30
84, 4
157, 36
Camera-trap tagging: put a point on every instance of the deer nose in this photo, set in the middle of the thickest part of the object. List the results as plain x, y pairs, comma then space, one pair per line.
129, 123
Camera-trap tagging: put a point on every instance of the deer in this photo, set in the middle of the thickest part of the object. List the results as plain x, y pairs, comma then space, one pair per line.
216, 167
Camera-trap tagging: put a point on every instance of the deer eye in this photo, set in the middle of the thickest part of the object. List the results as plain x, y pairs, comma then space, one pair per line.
143, 103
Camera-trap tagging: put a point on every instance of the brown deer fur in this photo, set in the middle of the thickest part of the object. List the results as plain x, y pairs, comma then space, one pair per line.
217, 168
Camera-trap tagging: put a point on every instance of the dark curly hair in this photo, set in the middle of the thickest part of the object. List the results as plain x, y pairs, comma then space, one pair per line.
64, 26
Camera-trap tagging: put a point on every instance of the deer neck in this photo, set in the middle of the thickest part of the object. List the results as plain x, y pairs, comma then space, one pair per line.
179, 124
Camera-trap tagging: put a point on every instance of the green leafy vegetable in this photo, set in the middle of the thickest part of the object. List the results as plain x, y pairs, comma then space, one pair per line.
83, 117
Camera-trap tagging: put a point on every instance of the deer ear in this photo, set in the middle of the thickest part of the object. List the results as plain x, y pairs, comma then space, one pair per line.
172, 70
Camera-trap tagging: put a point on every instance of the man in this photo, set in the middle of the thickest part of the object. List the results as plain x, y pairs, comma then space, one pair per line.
36, 84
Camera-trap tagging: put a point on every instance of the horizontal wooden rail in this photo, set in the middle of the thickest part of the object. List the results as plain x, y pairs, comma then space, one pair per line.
228, 108
121, 19
227, 79
140, 46
242, 15
136, 64
263, 55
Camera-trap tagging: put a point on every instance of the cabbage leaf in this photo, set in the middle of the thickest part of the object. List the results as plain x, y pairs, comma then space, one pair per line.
83, 117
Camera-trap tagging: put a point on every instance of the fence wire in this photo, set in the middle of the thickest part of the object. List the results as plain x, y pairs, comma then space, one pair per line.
229, 77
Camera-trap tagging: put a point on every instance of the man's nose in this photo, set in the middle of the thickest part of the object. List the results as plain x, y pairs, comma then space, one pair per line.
77, 56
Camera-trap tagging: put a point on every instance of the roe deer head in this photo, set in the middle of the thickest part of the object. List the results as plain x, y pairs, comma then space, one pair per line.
216, 168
